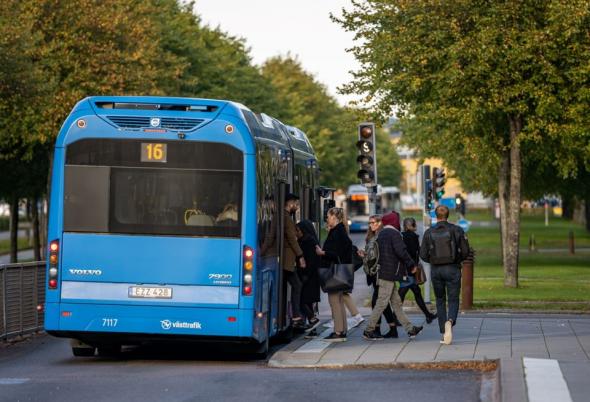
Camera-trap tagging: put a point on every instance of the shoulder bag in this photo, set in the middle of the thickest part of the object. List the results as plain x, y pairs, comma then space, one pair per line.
337, 277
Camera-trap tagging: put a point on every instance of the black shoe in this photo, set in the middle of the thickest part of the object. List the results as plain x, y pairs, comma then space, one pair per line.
377, 330
431, 318
392, 333
334, 337
298, 326
414, 331
313, 323
372, 336
311, 334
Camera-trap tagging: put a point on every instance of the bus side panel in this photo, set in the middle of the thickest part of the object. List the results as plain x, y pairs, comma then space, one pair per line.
55, 216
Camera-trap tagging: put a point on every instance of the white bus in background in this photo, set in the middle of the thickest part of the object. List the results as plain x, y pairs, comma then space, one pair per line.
357, 205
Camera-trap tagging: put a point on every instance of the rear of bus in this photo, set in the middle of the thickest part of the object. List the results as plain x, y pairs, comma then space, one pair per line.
152, 217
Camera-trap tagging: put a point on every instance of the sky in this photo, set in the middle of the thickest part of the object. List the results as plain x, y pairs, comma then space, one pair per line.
300, 27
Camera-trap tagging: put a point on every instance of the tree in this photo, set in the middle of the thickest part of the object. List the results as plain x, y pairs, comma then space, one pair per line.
487, 78
332, 129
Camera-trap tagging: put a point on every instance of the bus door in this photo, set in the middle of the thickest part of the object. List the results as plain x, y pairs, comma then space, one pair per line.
283, 189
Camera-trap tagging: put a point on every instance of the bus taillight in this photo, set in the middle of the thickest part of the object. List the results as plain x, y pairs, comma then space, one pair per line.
247, 271
53, 262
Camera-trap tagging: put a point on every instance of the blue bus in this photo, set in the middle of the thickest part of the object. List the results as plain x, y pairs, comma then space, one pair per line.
166, 223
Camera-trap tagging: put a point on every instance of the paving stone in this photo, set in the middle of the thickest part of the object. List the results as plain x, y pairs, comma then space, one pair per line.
528, 339
561, 341
494, 339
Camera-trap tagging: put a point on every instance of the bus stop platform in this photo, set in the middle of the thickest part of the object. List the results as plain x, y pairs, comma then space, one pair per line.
531, 356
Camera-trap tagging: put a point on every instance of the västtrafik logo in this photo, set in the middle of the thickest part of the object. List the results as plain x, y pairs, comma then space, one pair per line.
167, 324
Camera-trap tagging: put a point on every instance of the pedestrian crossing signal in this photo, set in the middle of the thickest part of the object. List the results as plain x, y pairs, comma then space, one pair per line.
366, 158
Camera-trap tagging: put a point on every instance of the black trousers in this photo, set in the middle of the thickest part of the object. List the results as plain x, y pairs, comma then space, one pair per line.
295, 283
417, 296
446, 282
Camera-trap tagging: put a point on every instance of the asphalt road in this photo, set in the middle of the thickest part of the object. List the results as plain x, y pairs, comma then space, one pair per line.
43, 369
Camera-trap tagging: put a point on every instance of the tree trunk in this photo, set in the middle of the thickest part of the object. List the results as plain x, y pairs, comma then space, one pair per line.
513, 236
14, 230
567, 207
503, 183
587, 213
35, 224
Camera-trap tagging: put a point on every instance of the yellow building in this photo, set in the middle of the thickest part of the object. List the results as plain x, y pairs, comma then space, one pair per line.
411, 182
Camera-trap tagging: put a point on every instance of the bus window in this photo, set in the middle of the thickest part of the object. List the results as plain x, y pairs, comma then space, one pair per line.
109, 189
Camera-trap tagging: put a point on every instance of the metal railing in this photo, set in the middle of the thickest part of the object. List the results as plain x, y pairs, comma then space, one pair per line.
22, 291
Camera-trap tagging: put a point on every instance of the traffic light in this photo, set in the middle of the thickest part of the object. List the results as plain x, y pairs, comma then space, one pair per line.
428, 196
367, 158
439, 183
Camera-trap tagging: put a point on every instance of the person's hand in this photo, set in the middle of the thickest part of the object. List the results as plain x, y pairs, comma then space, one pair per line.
361, 253
413, 270
302, 262
319, 251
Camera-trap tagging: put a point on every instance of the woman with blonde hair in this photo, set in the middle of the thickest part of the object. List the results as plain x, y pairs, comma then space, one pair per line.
337, 249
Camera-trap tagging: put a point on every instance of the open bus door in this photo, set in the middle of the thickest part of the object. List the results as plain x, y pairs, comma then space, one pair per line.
283, 324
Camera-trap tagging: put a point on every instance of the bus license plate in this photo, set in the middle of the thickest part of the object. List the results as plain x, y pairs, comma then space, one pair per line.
150, 292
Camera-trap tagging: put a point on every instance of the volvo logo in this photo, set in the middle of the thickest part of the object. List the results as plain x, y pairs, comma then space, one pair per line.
76, 271
166, 324
155, 122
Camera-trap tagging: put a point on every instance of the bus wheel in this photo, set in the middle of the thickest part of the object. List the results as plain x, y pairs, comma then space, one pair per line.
80, 349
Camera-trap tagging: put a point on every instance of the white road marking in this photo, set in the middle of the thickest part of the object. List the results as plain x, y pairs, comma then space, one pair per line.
544, 381
316, 345
13, 381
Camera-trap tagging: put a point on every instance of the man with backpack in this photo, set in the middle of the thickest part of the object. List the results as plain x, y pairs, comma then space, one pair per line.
445, 246
393, 265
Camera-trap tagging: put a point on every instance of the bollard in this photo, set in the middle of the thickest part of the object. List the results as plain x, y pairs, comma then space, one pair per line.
467, 281
571, 242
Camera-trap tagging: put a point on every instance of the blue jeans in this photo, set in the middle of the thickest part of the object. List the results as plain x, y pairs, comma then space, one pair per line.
446, 282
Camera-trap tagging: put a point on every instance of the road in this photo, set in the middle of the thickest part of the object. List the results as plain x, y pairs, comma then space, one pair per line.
43, 369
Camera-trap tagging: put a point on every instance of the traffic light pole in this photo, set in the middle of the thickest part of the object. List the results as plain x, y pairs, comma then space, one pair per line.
372, 200
427, 191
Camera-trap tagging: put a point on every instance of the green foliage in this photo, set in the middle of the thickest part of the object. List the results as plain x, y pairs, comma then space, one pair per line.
459, 71
332, 129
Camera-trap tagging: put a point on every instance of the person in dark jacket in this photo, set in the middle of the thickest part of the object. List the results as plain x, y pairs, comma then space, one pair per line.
375, 226
446, 268
412, 243
310, 293
394, 262
292, 254
337, 249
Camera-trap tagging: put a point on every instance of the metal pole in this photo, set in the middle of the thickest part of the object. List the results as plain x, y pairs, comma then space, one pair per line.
372, 199
546, 213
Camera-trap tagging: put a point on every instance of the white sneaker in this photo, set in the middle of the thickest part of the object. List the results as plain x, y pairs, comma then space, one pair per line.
448, 335
358, 320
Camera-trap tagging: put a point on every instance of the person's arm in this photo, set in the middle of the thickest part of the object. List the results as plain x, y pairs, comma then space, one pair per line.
291, 237
424, 254
400, 250
462, 242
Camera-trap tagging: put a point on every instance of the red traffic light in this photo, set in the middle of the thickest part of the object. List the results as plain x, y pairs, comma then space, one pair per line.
366, 131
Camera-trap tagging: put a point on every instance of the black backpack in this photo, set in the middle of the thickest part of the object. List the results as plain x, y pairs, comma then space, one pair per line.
443, 247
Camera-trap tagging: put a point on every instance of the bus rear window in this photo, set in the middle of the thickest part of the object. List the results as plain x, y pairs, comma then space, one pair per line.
153, 199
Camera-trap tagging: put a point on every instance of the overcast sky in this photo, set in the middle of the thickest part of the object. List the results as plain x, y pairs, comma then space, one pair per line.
300, 27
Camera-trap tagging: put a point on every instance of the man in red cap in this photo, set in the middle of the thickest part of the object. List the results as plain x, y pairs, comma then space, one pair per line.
394, 264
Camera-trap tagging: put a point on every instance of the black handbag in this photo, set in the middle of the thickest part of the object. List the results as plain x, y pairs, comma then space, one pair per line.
337, 278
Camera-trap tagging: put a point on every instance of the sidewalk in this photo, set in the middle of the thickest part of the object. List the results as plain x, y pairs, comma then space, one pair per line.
546, 347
